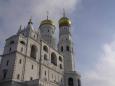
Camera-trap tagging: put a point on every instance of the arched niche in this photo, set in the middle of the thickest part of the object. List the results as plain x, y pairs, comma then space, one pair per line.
70, 82
54, 59
45, 48
33, 52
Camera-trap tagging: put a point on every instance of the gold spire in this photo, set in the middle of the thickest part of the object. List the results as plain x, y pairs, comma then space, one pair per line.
64, 21
47, 20
64, 12
47, 14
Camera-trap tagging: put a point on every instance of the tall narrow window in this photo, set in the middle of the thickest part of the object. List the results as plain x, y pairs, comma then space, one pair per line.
60, 66
10, 49
34, 36
45, 73
32, 67
70, 82
67, 48
31, 78
61, 80
60, 58
33, 51
79, 82
45, 57
23, 34
45, 48
18, 76
7, 62
61, 48
5, 73
53, 59
20, 61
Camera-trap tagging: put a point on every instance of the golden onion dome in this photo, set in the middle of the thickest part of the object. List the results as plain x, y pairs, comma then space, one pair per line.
47, 21
64, 21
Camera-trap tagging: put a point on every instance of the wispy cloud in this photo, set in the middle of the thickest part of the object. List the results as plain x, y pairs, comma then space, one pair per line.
16, 12
103, 73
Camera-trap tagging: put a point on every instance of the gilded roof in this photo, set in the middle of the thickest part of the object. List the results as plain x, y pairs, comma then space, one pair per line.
64, 21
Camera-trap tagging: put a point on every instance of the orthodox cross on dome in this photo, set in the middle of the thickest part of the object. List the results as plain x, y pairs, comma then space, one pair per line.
64, 12
47, 14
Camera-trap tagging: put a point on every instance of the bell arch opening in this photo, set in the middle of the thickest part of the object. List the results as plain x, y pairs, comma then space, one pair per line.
33, 51
70, 82
54, 59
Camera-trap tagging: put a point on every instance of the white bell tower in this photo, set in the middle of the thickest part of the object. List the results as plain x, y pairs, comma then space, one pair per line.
47, 30
65, 47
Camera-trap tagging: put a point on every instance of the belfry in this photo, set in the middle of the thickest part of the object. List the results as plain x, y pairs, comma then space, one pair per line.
33, 58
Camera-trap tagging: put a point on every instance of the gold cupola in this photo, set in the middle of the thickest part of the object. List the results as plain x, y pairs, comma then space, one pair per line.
64, 21
47, 21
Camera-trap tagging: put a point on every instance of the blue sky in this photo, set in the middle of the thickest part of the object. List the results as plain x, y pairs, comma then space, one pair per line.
93, 28
94, 24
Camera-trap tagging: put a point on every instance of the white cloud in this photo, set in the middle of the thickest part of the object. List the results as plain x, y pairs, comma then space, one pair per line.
16, 12
103, 74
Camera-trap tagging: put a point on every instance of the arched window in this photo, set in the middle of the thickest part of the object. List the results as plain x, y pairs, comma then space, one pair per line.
5, 73
33, 51
31, 78
18, 76
61, 48
11, 42
20, 61
45, 73
70, 82
45, 48
60, 58
48, 30
60, 66
22, 42
79, 82
7, 62
61, 80
10, 49
34, 36
67, 48
53, 59
45, 57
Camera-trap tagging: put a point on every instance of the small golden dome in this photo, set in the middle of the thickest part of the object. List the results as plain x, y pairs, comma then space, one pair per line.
47, 21
64, 21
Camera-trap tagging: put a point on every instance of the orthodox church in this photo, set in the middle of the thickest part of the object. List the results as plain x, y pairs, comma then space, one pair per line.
32, 58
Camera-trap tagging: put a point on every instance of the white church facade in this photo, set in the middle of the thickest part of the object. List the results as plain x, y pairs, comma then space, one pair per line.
32, 58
